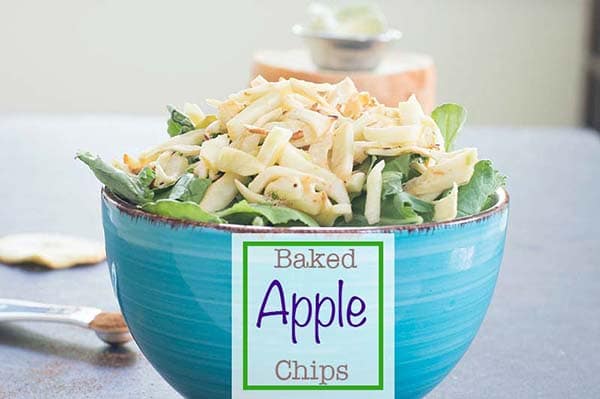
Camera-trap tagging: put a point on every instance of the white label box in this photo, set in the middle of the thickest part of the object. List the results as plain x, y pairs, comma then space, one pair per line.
313, 316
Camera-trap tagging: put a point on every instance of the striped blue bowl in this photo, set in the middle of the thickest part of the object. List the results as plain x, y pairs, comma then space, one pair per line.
173, 282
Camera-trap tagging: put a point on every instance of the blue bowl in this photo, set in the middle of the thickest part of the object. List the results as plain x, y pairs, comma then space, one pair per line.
173, 281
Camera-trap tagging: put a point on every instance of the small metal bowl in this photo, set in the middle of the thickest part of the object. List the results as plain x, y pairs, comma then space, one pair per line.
346, 53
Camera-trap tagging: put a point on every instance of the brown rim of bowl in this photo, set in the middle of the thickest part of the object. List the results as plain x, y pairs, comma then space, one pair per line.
133, 211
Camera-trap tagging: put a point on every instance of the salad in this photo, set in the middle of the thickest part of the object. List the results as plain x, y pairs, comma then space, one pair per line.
296, 153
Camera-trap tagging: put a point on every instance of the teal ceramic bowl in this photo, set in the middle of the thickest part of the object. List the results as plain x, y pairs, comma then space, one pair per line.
173, 281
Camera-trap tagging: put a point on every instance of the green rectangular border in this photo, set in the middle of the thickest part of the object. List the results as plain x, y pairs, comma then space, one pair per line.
246, 385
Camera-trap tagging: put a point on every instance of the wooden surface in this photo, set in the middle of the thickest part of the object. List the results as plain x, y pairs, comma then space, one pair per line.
540, 338
398, 76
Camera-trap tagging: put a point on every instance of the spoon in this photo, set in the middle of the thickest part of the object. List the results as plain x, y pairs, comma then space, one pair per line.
109, 327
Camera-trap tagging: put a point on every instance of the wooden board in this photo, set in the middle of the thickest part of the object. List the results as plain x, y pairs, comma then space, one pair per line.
398, 76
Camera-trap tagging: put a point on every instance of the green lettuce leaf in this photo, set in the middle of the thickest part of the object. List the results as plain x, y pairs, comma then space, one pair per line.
392, 187
397, 206
489, 202
450, 118
395, 210
402, 164
474, 196
132, 188
367, 165
245, 213
181, 210
398, 164
358, 203
189, 188
423, 208
146, 176
178, 122
392, 214
391, 183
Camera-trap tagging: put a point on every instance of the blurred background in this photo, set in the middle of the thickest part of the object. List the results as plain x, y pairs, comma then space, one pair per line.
509, 62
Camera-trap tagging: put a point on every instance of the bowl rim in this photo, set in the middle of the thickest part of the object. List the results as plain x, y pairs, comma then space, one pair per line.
387, 36
133, 211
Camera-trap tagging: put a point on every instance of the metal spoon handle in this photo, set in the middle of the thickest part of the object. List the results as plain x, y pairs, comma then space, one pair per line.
18, 310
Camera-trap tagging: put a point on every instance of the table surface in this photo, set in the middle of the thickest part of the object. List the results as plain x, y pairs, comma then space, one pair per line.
540, 338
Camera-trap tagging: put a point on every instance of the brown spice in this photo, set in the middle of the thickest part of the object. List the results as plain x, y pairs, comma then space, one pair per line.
298, 134
256, 130
107, 321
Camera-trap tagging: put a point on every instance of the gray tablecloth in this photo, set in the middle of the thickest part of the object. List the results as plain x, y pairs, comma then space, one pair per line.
541, 337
